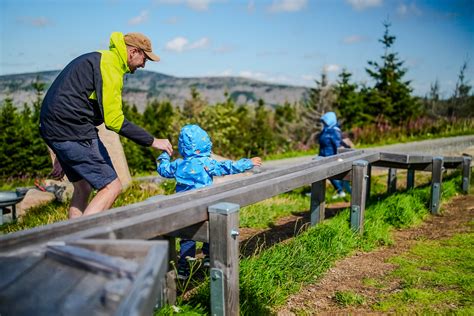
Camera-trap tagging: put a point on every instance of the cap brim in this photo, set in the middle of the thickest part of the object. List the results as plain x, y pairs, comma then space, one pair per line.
152, 56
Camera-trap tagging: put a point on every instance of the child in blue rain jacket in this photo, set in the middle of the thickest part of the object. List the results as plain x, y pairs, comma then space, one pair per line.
196, 170
330, 139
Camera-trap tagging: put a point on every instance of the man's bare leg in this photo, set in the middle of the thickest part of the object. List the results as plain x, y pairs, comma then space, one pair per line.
104, 198
82, 190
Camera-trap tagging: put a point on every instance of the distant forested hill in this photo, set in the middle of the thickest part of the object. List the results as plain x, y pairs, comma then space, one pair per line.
145, 86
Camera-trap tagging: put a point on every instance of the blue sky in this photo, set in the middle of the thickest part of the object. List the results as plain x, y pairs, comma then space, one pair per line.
278, 41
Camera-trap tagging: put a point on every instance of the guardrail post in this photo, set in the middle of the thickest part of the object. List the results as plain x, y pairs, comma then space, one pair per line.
359, 194
466, 173
224, 253
392, 181
436, 178
369, 181
170, 290
318, 204
410, 179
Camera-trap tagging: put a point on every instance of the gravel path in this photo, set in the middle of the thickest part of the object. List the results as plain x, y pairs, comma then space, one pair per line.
449, 146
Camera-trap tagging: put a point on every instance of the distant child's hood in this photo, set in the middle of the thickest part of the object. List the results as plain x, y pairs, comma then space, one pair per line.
329, 119
194, 142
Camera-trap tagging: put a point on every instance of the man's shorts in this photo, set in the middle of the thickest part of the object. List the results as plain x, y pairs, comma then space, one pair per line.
86, 159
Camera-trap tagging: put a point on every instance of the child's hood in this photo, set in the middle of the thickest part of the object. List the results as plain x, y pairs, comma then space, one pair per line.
192, 138
329, 119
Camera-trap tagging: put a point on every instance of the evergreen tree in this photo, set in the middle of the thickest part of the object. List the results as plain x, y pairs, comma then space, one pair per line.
391, 97
262, 130
193, 108
432, 101
461, 102
349, 103
321, 99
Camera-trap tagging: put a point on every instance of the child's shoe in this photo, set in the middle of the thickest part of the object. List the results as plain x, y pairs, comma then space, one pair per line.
183, 274
206, 262
339, 195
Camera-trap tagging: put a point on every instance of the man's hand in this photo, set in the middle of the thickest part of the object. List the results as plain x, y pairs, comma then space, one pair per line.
57, 173
163, 144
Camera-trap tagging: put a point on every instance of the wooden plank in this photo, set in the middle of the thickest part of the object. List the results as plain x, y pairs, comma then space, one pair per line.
148, 287
198, 232
163, 221
127, 249
12, 268
92, 261
40, 290
39, 235
54, 287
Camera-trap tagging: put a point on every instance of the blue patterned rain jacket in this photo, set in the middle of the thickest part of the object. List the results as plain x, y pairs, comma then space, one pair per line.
196, 169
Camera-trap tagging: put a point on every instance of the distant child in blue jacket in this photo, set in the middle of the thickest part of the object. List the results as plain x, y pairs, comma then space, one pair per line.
330, 139
196, 170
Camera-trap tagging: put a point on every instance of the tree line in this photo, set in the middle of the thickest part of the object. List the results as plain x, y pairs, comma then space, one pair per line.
387, 109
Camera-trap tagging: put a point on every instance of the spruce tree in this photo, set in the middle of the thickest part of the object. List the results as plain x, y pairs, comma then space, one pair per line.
391, 97
349, 103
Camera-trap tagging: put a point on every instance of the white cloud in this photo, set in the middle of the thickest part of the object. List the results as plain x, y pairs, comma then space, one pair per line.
200, 43
223, 49
177, 44
251, 7
197, 5
181, 44
253, 75
364, 4
35, 21
143, 17
287, 5
331, 68
266, 77
308, 77
353, 39
224, 73
172, 20
404, 10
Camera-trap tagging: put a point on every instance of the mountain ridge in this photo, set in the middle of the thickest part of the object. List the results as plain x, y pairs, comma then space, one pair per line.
145, 86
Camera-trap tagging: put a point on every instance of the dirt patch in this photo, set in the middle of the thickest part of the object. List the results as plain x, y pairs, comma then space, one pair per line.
254, 240
349, 274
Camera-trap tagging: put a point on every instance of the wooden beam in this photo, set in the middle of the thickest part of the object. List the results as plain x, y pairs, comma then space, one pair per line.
42, 234
163, 221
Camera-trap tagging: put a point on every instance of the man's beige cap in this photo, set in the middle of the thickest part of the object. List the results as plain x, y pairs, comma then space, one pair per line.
141, 41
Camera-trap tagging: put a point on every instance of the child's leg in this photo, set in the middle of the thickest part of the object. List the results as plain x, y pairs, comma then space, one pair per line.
347, 186
187, 249
205, 248
337, 185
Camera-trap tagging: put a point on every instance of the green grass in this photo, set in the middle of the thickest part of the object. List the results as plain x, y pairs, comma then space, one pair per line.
436, 278
269, 277
265, 213
52, 212
348, 298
